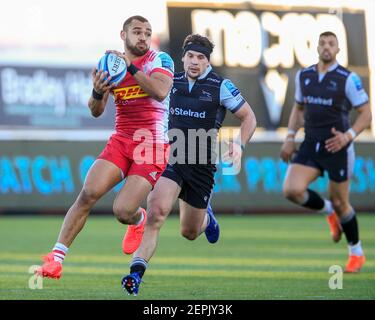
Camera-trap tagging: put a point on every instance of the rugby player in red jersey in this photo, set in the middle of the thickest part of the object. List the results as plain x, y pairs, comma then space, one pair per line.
137, 151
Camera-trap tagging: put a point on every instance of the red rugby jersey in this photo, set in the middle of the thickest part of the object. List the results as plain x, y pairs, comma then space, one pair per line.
135, 109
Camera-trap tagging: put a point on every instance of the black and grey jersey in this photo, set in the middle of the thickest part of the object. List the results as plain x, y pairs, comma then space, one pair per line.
327, 99
200, 107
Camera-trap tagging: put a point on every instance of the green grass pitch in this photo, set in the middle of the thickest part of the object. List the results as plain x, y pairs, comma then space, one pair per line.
257, 257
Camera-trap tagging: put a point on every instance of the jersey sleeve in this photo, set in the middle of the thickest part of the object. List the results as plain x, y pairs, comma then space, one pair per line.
230, 96
163, 63
354, 90
298, 93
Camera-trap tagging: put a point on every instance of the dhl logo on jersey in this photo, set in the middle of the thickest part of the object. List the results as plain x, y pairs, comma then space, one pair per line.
132, 92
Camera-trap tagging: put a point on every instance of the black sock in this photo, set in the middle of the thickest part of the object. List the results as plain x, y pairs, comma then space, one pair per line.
314, 201
350, 228
138, 265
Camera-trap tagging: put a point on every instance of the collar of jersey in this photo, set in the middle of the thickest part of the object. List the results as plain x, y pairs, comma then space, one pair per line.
204, 75
331, 68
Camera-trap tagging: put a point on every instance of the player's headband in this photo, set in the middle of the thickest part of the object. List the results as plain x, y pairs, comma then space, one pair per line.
198, 48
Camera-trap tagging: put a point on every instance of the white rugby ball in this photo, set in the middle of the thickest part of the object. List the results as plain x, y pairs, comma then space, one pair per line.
114, 65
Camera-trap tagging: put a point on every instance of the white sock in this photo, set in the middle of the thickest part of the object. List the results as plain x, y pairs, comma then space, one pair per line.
141, 219
59, 252
328, 208
356, 250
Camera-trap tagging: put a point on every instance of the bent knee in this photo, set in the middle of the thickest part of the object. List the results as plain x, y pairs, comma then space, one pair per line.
123, 214
157, 212
189, 234
340, 206
293, 193
156, 216
89, 195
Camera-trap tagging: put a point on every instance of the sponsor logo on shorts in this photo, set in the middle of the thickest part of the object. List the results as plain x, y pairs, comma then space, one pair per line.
132, 92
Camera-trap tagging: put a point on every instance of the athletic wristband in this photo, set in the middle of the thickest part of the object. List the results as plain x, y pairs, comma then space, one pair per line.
132, 69
291, 132
352, 133
96, 95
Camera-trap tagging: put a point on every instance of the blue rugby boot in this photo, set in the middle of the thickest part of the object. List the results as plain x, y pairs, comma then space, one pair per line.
212, 230
131, 283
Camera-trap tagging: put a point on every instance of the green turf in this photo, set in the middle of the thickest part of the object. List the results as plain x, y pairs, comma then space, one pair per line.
257, 257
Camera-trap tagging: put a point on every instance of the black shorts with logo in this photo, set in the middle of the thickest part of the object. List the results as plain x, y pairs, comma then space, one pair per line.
196, 182
339, 165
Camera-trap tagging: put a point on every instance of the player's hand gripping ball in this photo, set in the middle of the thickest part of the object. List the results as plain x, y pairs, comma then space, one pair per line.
114, 65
